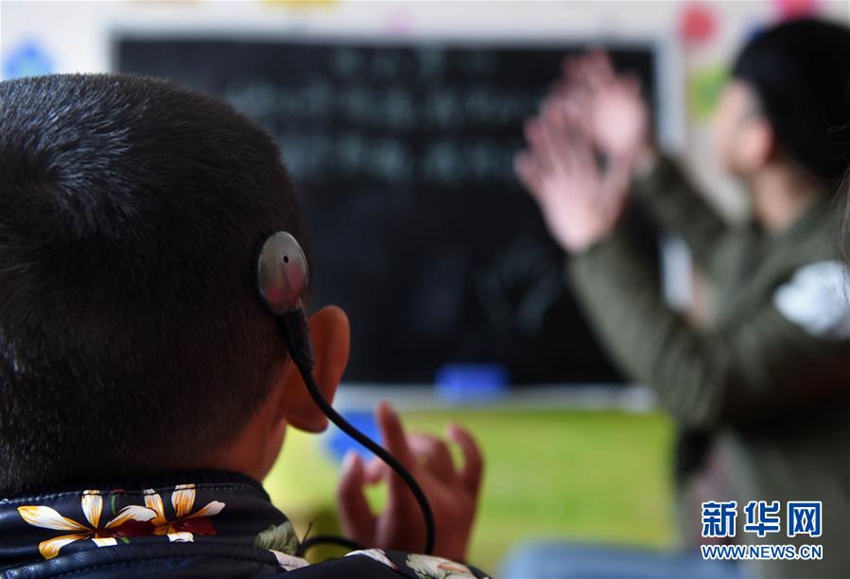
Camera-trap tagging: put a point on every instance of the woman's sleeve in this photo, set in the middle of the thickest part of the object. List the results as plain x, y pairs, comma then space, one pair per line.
766, 361
677, 207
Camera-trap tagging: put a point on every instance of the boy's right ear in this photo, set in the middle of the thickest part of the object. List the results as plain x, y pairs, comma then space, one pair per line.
330, 334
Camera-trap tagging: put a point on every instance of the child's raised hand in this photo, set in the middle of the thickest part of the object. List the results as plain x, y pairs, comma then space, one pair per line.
452, 492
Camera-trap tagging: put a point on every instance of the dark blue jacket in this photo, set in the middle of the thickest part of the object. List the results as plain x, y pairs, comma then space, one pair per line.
207, 524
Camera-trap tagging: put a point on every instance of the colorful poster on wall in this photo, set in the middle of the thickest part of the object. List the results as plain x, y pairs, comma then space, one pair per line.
697, 23
27, 59
790, 9
704, 88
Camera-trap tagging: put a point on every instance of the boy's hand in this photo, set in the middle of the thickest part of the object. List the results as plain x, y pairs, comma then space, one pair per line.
581, 204
452, 492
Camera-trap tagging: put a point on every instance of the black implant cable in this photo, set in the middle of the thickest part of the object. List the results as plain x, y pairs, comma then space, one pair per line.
293, 325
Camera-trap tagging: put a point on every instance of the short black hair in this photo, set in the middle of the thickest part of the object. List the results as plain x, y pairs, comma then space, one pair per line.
131, 336
800, 71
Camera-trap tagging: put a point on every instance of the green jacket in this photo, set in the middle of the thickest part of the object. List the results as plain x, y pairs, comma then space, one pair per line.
768, 381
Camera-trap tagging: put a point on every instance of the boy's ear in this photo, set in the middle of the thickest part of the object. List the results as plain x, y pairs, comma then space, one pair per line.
331, 342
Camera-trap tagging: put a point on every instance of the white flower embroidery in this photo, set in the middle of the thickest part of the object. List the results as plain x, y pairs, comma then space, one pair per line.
428, 567
186, 524
376, 554
92, 505
289, 562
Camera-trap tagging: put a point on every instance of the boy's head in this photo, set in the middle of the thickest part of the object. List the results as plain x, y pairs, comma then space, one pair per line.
788, 101
132, 340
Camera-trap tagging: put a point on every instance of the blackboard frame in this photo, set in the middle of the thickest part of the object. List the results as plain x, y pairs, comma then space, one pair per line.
670, 127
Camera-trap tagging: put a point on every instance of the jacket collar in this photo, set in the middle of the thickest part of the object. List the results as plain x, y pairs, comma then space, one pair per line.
214, 507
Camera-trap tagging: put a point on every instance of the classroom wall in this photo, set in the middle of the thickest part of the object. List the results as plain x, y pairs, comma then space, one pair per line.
40, 37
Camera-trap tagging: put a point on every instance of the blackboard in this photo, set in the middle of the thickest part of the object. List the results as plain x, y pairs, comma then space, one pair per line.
402, 156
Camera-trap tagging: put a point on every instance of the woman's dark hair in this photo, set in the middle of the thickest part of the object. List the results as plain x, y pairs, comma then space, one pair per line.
800, 71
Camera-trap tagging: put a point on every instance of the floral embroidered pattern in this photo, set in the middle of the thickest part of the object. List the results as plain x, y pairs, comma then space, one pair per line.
121, 526
280, 538
289, 562
427, 567
131, 521
115, 517
376, 554
419, 566
186, 524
